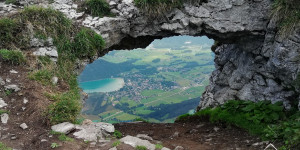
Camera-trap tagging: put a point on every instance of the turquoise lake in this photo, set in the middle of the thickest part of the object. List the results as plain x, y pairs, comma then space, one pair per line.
103, 85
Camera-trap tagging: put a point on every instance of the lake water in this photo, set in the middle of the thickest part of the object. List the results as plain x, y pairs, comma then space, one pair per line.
103, 85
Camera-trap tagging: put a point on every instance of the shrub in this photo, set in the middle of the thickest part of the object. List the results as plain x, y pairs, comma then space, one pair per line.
98, 8
12, 56
141, 147
287, 13
87, 43
117, 134
9, 29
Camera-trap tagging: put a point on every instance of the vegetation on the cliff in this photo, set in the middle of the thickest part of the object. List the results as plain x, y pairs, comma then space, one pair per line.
87, 43
9, 31
14, 57
97, 8
72, 43
10, 1
157, 7
264, 119
287, 13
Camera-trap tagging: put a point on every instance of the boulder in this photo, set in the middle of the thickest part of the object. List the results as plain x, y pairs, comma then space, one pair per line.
4, 118
93, 131
134, 141
65, 127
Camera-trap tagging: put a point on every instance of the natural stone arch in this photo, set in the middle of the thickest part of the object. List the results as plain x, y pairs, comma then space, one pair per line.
253, 62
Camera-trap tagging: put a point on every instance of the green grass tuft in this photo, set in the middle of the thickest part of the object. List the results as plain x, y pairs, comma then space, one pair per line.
54, 145
97, 8
4, 147
46, 21
14, 57
63, 137
44, 76
116, 143
9, 29
10, 1
158, 146
141, 147
87, 43
66, 108
117, 134
287, 13
3, 111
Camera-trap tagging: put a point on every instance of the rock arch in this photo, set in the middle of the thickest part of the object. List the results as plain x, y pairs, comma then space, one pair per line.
252, 63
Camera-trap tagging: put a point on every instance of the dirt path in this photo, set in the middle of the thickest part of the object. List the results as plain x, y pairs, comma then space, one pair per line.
193, 136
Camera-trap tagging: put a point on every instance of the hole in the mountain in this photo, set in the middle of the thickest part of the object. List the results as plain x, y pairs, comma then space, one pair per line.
157, 83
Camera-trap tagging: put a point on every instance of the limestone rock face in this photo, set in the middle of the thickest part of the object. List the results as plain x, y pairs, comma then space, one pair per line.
253, 63
265, 73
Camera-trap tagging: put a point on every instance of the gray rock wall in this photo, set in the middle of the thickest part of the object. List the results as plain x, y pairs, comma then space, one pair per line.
254, 63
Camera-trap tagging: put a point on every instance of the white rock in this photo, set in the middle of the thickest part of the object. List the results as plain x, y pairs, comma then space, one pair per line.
25, 100
23, 126
93, 131
52, 52
13, 71
12, 87
54, 80
8, 80
65, 127
40, 52
44, 140
49, 42
2, 82
2, 103
179, 148
216, 129
164, 148
4, 118
134, 141
114, 148
35, 42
